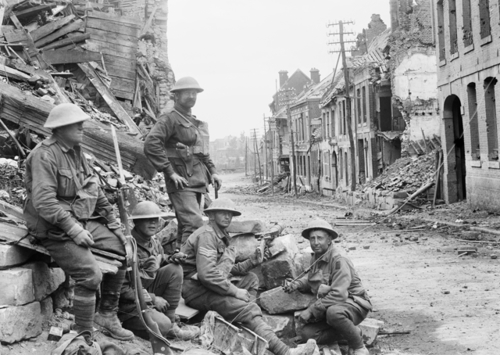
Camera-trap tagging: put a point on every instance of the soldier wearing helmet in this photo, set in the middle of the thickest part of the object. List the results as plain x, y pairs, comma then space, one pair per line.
213, 281
178, 146
342, 300
68, 213
161, 277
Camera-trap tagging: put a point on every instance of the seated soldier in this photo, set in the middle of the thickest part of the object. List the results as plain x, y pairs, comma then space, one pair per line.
210, 267
342, 300
161, 276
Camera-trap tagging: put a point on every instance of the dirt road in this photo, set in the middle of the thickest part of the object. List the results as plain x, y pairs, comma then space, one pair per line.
450, 304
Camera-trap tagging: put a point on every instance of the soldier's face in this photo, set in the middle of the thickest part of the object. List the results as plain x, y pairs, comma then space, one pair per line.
222, 218
187, 98
71, 134
320, 241
146, 227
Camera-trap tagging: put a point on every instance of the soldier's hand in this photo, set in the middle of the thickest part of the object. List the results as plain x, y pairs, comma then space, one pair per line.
84, 239
243, 294
161, 304
216, 181
258, 257
178, 258
290, 286
179, 181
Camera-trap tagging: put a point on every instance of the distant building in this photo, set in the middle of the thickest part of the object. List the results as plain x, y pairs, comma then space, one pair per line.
467, 34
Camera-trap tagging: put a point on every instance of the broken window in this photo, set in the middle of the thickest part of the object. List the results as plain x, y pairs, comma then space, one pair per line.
344, 118
385, 114
358, 106
333, 123
467, 18
440, 19
453, 26
363, 97
491, 117
327, 131
474, 123
484, 18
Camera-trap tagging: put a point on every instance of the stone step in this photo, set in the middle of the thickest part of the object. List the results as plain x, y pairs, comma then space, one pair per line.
277, 301
13, 255
45, 280
21, 322
17, 287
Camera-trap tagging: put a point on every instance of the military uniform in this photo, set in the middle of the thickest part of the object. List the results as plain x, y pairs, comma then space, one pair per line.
342, 300
178, 143
63, 199
158, 277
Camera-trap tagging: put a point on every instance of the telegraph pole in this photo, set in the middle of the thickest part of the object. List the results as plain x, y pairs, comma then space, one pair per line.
294, 171
266, 170
246, 155
272, 154
341, 34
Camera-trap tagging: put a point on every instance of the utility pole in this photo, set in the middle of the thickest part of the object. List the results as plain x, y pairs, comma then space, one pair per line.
256, 151
341, 34
254, 160
292, 161
272, 154
246, 155
266, 170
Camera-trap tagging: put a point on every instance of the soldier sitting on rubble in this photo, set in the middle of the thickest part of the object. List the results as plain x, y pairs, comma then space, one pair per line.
214, 282
68, 213
342, 300
161, 277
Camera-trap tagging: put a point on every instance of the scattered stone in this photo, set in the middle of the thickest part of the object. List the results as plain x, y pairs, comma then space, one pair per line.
45, 280
17, 287
370, 328
494, 256
13, 255
446, 292
55, 334
366, 247
283, 325
351, 248
276, 271
276, 247
18, 323
277, 301
414, 239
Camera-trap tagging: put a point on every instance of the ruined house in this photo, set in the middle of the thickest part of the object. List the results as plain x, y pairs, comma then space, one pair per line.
467, 36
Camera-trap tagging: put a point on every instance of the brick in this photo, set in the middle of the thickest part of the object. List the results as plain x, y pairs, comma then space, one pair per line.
370, 328
283, 325
276, 271
17, 287
21, 322
13, 255
277, 301
45, 280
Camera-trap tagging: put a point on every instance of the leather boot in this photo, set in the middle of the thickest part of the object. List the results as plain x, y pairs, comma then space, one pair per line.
107, 317
187, 332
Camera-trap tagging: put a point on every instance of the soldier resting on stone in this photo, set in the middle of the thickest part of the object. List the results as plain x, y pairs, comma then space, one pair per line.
214, 282
161, 277
342, 300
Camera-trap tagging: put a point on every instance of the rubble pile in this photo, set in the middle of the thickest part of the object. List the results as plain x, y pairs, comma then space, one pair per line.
405, 175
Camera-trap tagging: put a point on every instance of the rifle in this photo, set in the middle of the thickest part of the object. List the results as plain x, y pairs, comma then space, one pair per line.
159, 344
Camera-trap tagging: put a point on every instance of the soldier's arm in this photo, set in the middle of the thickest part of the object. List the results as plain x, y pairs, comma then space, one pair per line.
44, 193
154, 146
208, 274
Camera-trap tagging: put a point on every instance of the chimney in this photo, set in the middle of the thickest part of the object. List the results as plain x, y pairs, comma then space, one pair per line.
315, 75
283, 77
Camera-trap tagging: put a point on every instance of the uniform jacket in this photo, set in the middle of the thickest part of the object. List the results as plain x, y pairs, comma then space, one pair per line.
335, 281
211, 260
151, 257
163, 151
54, 205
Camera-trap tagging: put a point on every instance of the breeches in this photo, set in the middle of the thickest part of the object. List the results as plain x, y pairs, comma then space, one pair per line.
188, 213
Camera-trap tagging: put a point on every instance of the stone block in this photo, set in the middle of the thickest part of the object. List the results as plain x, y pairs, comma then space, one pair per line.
47, 309
283, 325
245, 244
17, 287
21, 322
45, 280
277, 247
13, 255
276, 271
369, 329
302, 260
290, 244
277, 301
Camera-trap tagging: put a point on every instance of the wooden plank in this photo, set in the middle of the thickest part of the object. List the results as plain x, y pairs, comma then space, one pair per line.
15, 36
112, 27
13, 73
118, 110
50, 27
64, 42
115, 47
118, 62
120, 72
126, 95
31, 43
125, 53
11, 210
148, 23
33, 10
134, 22
122, 40
63, 56
15, 235
71, 27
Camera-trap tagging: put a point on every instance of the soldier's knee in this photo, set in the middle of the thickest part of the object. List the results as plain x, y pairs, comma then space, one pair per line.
253, 280
93, 279
308, 332
334, 314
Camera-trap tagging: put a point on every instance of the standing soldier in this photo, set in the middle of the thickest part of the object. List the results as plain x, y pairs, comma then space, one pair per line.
178, 146
214, 282
68, 213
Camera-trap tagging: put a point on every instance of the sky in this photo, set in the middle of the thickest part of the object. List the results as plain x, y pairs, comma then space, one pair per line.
235, 49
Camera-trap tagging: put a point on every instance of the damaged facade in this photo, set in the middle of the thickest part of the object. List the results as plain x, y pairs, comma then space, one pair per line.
468, 65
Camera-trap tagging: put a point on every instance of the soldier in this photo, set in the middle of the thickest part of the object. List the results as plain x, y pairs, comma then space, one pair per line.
209, 269
68, 213
342, 300
178, 146
161, 277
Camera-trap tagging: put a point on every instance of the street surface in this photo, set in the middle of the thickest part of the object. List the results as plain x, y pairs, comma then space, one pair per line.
450, 304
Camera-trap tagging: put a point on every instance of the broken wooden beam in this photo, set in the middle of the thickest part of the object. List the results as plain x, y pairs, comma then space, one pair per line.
65, 56
110, 99
64, 42
50, 27
34, 10
71, 27
13, 73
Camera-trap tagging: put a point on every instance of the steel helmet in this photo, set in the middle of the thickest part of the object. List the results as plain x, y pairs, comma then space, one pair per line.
186, 83
223, 204
65, 114
146, 209
319, 224
164, 201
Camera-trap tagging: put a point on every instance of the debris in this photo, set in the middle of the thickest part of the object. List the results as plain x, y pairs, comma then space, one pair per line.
370, 328
277, 301
55, 333
494, 256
